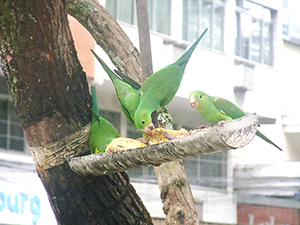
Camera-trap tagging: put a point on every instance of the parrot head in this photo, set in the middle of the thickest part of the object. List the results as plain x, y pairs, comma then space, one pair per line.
198, 99
143, 120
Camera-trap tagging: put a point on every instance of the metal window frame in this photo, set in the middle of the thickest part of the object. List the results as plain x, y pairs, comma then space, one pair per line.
8, 136
200, 179
151, 14
212, 20
239, 10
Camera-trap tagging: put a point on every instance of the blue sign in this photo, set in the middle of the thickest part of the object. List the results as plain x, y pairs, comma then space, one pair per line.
21, 203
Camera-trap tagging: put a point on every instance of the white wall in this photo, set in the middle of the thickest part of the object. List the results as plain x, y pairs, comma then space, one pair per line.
23, 199
274, 92
289, 91
219, 206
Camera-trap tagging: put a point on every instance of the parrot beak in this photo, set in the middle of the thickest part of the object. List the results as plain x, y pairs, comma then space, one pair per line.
147, 130
193, 102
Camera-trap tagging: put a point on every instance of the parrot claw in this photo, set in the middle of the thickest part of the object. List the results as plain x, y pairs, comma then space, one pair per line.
221, 122
147, 130
202, 126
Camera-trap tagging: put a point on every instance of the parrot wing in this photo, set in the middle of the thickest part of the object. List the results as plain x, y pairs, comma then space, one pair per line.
128, 80
228, 108
231, 110
127, 90
161, 86
102, 131
165, 82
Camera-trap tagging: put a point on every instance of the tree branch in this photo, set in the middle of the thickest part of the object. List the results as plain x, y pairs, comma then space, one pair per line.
222, 136
144, 38
108, 34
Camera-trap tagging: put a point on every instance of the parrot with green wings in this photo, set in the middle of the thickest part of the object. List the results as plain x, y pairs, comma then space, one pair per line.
214, 109
102, 131
127, 90
160, 88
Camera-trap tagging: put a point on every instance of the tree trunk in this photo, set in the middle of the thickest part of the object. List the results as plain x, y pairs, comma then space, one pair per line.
51, 97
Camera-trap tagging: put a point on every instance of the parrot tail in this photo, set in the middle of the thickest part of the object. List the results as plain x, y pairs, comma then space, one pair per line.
183, 60
259, 134
110, 73
95, 107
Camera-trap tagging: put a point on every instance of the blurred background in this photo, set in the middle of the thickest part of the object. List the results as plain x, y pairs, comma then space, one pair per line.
249, 56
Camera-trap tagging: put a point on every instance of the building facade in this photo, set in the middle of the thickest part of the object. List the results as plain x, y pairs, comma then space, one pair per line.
249, 56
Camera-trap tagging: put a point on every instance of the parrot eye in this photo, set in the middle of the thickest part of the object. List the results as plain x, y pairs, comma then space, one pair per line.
143, 122
200, 96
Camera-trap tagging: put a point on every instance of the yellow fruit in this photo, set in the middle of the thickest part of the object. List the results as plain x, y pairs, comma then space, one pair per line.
119, 144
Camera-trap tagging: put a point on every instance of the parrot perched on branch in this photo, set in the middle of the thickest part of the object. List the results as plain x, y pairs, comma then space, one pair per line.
128, 91
160, 88
102, 131
214, 109
139, 101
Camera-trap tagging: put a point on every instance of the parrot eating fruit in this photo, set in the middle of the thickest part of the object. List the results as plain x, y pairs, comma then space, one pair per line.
160, 88
139, 101
102, 131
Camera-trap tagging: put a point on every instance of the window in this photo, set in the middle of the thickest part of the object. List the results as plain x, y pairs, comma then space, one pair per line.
201, 14
290, 24
123, 10
207, 170
144, 173
11, 133
159, 12
254, 29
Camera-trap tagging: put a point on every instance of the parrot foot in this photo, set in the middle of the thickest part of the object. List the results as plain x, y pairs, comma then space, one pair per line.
202, 127
220, 123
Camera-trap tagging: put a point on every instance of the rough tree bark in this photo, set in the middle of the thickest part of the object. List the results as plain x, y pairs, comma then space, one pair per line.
51, 97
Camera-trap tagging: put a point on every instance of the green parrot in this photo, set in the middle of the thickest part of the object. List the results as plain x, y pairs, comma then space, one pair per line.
214, 109
128, 91
128, 80
102, 131
160, 88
